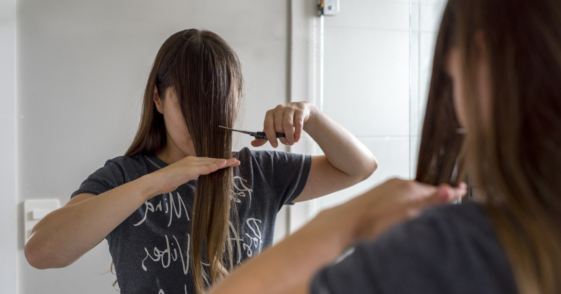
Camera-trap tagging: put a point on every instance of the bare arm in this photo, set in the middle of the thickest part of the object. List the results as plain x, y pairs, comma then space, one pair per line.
289, 266
346, 161
67, 233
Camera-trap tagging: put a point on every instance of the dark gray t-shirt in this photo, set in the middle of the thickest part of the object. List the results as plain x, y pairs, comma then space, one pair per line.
151, 248
450, 249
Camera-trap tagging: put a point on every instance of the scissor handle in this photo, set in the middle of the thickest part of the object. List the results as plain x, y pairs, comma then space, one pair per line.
261, 135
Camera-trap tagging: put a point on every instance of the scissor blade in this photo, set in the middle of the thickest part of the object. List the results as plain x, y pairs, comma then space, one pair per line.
245, 132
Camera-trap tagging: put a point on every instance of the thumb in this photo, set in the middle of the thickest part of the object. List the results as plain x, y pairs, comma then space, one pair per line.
440, 196
258, 142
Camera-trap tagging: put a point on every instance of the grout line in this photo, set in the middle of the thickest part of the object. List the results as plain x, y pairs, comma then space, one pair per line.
369, 29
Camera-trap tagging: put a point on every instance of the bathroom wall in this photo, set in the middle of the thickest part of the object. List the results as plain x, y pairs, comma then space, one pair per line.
72, 75
378, 56
81, 72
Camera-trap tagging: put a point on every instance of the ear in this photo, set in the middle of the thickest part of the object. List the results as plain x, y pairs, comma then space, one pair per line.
158, 101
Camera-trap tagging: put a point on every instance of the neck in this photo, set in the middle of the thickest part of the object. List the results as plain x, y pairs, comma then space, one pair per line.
171, 153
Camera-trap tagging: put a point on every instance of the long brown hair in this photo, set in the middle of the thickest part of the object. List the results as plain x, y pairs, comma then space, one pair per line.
514, 156
205, 74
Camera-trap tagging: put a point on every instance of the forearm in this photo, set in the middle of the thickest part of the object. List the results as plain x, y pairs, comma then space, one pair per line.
290, 263
69, 232
343, 150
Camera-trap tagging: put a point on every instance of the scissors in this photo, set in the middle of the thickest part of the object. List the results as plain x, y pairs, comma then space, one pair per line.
257, 135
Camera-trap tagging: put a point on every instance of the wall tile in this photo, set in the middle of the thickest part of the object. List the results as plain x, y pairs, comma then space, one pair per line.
393, 161
367, 81
431, 15
414, 87
425, 71
392, 15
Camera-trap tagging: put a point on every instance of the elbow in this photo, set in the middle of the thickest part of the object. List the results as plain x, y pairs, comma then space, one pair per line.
33, 256
40, 257
373, 165
369, 167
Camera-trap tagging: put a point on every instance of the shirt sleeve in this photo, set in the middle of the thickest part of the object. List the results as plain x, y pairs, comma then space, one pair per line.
104, 179
286, 173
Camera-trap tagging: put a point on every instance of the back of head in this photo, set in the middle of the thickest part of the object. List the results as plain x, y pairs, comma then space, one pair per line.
205, 74
511, 149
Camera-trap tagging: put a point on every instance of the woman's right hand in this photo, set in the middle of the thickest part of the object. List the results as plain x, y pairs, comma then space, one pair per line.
167, 179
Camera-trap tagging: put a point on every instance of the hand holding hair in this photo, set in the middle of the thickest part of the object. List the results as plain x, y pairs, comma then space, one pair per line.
393, 202
178, 173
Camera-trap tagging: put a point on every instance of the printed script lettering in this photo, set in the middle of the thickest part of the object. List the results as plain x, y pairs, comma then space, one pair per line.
174, 247
255, 238
177, 208
239, 189
166, 256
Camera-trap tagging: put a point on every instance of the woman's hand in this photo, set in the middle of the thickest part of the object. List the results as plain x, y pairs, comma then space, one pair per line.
178, 173
395, 201
288, 119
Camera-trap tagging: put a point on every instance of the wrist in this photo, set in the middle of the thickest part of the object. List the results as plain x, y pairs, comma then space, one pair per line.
338, 226
148, 187
313, 118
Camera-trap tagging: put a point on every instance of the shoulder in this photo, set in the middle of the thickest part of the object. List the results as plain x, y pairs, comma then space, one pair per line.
441, 234
124, 168
115, 172
448, 249
451, 248
452, 221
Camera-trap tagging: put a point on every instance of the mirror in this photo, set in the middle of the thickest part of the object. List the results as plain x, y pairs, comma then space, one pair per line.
76, 70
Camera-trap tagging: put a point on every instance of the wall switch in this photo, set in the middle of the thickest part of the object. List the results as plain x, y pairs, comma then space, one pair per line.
34, 211
328, 7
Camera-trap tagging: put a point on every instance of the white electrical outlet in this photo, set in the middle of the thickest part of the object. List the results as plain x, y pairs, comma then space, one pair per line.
34, 211
331, 7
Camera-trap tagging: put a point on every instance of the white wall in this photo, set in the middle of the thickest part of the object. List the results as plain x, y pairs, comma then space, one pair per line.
8, 260
82, 67
367, 83
425, 21
378, 57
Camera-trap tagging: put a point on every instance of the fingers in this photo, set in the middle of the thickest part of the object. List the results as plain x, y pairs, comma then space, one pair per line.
269, 128
222, 163
288, 127
298, 125
279, 120
449, 194
288, 119
232, 162
217, 164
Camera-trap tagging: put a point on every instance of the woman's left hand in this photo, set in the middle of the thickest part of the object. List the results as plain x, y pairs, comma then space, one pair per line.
288, 119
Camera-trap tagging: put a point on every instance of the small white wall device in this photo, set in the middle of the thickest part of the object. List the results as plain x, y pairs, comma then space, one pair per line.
34, 211
328, 7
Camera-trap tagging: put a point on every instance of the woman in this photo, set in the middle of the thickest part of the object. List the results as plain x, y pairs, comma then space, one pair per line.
496, 73
180, 210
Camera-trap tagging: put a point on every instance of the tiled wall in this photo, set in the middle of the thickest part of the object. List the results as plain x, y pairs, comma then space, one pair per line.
425, 21
378, 55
